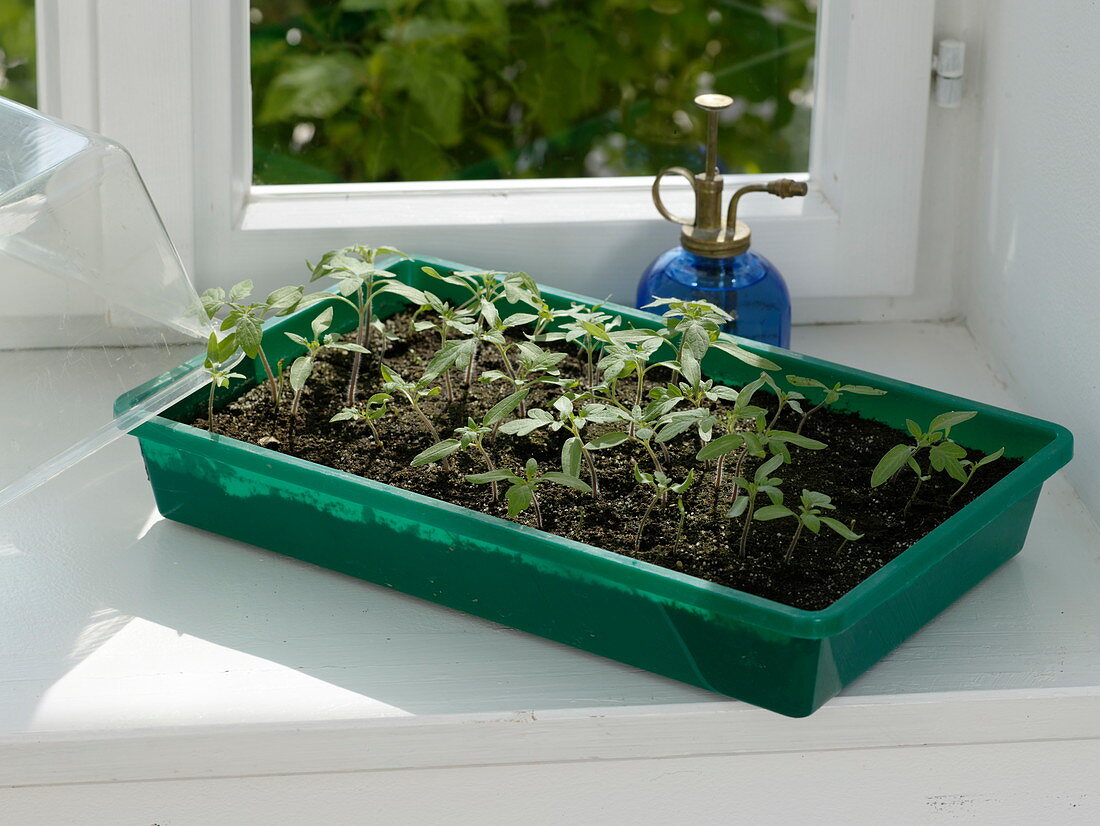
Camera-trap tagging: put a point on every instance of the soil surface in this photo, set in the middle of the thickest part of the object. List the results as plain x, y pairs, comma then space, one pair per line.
822, 569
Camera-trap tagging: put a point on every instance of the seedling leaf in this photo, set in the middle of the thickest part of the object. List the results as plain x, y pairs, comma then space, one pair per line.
438, 451
571, 453
504, 407
567, 480
946, 421
891, 463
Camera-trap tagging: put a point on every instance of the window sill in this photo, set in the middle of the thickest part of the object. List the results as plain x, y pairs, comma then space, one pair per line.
169, 653
480, 203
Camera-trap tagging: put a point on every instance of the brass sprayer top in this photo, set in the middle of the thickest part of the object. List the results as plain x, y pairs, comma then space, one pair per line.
708, 234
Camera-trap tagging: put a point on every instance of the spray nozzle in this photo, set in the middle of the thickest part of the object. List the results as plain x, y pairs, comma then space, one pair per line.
708, 233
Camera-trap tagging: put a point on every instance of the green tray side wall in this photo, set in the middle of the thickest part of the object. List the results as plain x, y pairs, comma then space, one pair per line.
781, 658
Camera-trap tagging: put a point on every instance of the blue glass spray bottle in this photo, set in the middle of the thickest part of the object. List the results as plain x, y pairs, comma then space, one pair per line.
713, 261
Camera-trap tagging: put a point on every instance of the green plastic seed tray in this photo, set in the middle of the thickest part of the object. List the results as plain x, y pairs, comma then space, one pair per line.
781, 658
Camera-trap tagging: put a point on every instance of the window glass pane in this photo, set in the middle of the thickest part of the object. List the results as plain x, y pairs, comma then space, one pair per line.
17, 81
408, 90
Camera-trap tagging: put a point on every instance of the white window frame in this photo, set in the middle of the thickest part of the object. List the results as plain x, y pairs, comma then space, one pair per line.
170, 80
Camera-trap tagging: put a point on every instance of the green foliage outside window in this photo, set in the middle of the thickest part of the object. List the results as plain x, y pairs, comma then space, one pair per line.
393, 90
17, 80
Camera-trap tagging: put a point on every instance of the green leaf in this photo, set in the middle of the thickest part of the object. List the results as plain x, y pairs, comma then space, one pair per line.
675, 428
221, 350
597, 332
955, 469
773, 493
311, 86
745, 394
952, 449
862, 390
564, 406
992, 457
283, 300
240, 291
607, 440
519, 287
799, 381
519, 499
300, 372
311, 299
249, 335
567, 480
914, 429
740, 353
523, 427
440, 450
839, 527
680, 487
378, 399
767, 469
368, 5
321, 323
212, 301
504, 407
404, 290
946, 421
297, 339
753, 444
456, 352
689, 366
490, 313
797, 439
349, 346
454, 280
939, 455
519, 319
720, 447
571, 453
739, 507
780, 449
769, 512
348, 286
497, 475
660, 302
891, 463
696, 339
390, 377
811, 521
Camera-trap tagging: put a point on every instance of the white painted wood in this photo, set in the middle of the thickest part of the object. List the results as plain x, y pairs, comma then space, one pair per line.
1015, 783
1034, 246
387, 744
67, 60
123, 69
182, 677
868, 146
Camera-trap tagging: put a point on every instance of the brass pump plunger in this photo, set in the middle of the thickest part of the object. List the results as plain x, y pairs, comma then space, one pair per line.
708, 235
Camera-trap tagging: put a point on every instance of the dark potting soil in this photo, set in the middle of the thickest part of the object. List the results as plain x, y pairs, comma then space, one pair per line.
822, 569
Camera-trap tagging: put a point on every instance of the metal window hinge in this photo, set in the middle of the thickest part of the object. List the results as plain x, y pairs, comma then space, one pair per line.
947, 73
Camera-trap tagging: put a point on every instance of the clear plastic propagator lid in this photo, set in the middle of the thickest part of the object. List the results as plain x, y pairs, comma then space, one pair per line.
94, 301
